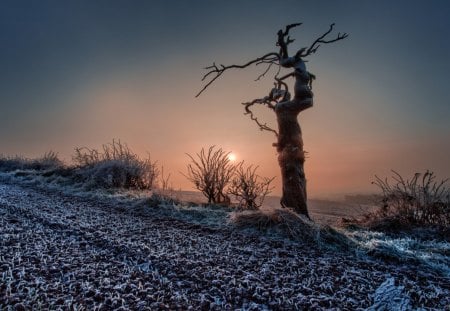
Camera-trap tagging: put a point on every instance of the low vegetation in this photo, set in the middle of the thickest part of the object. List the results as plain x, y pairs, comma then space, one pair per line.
409, 203
48, 161
105, 175
217, 178
285, 223
210, 172
65, 252
249, 188
115, 166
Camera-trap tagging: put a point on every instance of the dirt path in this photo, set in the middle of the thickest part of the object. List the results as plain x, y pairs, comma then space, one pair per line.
58, 251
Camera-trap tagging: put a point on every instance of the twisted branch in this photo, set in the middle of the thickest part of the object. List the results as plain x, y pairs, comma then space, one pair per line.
273, 58
267, 100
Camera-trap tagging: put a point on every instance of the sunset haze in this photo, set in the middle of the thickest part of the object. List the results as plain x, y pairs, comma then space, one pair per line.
81, 73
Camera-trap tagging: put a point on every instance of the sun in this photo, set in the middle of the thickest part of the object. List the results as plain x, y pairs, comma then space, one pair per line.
232, 157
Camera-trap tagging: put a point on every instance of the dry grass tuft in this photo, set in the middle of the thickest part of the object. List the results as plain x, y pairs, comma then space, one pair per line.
292, 225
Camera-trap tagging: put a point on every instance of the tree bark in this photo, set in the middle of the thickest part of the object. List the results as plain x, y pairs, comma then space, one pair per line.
291, 156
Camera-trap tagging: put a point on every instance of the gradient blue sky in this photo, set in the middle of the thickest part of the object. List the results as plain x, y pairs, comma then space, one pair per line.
80, 73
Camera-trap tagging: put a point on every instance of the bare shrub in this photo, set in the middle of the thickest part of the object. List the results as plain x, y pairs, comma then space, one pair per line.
211, 172
165, 189
115, 151
249, 188
48, 161
164, 181
420, 201
115, 166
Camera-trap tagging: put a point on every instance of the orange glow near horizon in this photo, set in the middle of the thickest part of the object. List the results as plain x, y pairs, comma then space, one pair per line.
375, 109
341, 158
344, 151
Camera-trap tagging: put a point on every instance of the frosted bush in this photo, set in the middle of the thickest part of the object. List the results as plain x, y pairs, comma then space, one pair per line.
420, 201
115, 166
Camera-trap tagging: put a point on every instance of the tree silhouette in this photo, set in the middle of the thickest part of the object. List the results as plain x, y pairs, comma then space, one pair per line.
291, 156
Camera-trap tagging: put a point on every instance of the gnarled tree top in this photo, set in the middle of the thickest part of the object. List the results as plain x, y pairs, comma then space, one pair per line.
272, 58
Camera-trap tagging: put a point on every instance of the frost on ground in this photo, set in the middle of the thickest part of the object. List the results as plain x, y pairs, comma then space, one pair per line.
390, 297
62, 251
432, 254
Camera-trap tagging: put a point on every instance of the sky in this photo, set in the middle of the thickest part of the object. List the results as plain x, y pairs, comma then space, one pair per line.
81, 73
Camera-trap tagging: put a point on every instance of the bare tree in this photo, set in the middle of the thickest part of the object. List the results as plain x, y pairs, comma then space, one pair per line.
248, 187
211, 172
291, 156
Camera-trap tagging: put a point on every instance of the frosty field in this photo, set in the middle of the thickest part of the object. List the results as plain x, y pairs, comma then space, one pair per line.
60, 251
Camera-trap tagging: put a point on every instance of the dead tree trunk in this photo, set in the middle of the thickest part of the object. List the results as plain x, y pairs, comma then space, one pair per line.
291, 156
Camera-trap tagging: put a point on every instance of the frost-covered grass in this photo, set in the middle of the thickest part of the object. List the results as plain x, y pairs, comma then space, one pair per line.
159, 203
434, 254
63, 252
47, 161
113, 166
287, 224
193, 255
424, 248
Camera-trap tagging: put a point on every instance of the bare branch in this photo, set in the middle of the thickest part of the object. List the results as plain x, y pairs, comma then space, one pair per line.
316, 44
248, 187
217, 71
265, 71
210, 173
268, 60
263, 101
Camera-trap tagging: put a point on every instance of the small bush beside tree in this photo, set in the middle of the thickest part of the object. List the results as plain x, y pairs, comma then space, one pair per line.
214, 175
249, 188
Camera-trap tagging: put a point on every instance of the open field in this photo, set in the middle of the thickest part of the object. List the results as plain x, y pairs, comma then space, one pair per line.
63, 251
323, 211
